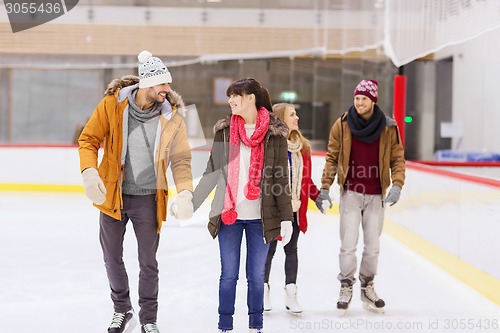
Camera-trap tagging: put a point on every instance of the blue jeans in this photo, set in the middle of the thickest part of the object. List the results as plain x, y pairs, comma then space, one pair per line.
230, 237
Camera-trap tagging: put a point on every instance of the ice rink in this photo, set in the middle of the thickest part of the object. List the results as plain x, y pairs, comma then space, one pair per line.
53, 279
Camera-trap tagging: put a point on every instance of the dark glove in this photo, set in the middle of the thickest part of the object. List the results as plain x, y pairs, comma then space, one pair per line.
393, 195
323, 201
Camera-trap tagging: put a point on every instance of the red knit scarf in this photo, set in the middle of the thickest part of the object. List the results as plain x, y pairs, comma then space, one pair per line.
237, 134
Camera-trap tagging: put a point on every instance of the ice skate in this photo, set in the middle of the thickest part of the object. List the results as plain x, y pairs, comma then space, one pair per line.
255, 330
370, 299
122, 322
150, 328
267, 297
344, 297
225, 331
291, 302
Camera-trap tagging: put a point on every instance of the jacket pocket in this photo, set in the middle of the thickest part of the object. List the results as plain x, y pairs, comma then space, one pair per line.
214, 226
109, 171
111, 195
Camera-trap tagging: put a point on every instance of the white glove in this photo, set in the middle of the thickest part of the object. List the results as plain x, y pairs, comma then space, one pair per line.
182, 207
173, 212
93, 185
286, 232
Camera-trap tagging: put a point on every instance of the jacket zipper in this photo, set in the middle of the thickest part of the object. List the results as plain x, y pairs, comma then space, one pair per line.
261, 180
383, 159
219, 219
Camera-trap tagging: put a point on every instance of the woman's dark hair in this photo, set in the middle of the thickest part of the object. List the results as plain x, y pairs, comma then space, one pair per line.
249, 86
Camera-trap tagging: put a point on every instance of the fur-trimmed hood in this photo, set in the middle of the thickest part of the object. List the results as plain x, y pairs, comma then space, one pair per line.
129, 80
276, 125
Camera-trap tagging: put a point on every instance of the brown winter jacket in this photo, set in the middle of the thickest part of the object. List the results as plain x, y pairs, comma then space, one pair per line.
108, 123
276, 204
391, 155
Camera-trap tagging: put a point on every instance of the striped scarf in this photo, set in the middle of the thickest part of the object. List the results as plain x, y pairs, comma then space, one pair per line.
296, 173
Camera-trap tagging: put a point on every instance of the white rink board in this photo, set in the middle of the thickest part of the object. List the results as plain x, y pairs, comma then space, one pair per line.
458, 216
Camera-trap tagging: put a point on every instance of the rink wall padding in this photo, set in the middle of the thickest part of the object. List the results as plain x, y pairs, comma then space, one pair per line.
449, 218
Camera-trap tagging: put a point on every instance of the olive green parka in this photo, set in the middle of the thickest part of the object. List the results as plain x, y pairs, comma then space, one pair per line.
276, 202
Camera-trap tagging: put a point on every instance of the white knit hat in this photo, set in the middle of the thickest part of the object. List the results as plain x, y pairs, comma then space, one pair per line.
152, 71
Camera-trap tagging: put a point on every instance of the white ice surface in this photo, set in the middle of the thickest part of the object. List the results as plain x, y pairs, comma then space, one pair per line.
52, 278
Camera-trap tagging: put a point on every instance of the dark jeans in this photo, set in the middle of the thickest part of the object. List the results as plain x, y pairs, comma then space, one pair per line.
141, 210
230, 237
291, 258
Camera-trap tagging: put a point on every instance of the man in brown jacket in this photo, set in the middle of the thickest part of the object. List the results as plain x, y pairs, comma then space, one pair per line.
366, 155
140, 121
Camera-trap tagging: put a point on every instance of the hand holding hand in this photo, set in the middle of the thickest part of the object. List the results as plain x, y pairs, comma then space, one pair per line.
93, 186
182, 206
324, 201
393, 195
286, 232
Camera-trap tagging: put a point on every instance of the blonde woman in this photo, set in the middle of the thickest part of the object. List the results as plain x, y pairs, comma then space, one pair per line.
302, 188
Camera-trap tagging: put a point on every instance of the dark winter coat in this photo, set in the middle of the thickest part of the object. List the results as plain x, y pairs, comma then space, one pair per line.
276, 204
391, 155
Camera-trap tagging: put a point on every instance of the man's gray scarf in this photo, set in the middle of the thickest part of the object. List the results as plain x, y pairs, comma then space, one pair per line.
140, 176
137, 113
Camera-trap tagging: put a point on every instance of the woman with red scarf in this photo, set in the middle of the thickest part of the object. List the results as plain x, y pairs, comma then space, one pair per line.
248, 166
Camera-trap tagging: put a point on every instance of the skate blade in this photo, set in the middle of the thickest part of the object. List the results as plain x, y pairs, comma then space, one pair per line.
342, 312
129, 327
295, 313
373, 308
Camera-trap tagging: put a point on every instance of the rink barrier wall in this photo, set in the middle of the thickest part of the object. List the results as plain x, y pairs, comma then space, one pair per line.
451, 219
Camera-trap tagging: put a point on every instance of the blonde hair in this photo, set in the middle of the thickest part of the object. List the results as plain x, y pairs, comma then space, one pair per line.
295, 135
